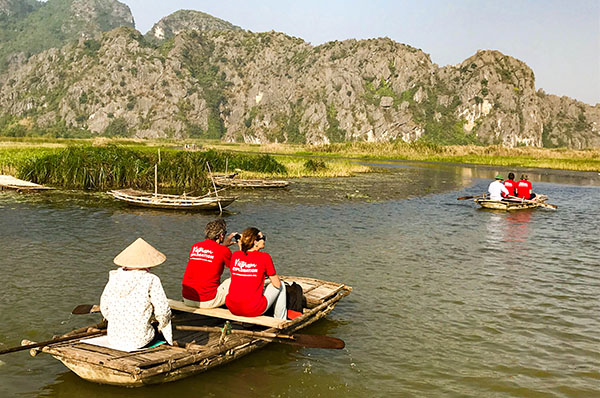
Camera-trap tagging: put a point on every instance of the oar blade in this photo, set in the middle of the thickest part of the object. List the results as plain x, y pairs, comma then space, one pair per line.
313, 341
465, 197
85, 309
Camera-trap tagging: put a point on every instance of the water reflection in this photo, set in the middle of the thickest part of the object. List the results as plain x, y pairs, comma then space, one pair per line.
517, 226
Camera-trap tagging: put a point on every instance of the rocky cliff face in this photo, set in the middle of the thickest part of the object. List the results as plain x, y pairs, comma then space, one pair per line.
270, 87
182, 20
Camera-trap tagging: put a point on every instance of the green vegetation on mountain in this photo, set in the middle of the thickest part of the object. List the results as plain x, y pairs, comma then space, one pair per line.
36, 26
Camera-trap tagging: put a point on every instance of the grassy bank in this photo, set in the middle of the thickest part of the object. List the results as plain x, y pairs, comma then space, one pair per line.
560, 158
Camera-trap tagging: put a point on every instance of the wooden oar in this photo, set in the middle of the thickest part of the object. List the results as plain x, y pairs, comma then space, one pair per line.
53, 341
304, 340
543, 204
471, 197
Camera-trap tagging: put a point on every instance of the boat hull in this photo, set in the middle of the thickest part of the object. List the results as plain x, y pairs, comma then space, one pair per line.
167, 363
171, 202
233, 183
506, 206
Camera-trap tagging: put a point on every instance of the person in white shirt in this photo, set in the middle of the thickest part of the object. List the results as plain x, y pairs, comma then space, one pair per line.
132, 296
497, 188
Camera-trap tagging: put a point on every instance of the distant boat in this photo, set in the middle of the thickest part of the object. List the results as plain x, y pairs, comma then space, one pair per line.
515, 204
179, 202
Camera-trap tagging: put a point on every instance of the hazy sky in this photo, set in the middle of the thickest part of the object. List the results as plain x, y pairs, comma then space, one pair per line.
558, 39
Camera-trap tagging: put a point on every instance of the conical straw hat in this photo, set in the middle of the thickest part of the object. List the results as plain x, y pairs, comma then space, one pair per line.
139, 254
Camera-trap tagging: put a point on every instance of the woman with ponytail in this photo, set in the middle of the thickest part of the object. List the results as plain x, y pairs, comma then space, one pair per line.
249, 266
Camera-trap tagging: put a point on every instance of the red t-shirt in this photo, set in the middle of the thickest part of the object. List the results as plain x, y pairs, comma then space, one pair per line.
523, 188
248, 272
510, 185
204, 268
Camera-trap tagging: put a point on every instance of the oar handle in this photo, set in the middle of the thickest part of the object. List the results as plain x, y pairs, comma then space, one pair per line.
53, 341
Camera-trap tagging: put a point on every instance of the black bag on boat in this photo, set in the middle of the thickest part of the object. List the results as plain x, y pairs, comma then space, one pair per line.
295, 300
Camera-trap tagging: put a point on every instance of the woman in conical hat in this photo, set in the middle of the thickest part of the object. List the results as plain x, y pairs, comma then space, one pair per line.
132, 295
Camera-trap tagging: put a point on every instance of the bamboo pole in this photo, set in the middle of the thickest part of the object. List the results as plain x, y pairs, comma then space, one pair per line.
215, 187
155, 179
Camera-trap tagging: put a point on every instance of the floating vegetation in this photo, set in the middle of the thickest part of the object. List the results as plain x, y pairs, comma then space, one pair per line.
112, 166
315, 165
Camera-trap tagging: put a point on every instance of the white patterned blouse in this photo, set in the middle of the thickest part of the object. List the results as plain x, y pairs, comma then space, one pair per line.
128, 302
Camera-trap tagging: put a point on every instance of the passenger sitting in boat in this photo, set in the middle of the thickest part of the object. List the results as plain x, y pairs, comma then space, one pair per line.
524, 188
201, 285
249, 267
132, 295
496, 189
510, 184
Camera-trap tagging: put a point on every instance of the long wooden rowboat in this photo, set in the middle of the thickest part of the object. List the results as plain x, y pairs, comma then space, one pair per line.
510, 205
239, 183
162, 201
197, 351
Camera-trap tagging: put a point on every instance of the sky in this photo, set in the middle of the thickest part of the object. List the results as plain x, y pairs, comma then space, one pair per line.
558, 39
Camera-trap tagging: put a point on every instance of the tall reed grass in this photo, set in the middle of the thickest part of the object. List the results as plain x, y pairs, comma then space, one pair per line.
112, 166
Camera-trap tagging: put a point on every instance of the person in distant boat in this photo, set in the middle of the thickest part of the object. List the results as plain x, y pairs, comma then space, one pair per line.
201, 285
132, 296
524, 188
510, 184
497, 190
249, 266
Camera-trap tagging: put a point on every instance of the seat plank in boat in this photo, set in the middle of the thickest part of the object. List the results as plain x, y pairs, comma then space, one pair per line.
226, 314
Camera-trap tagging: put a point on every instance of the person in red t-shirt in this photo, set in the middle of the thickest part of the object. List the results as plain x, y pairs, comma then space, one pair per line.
524, 188
510, 184
249, 267
201, 285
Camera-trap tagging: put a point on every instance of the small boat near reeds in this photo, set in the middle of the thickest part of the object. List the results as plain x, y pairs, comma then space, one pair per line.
196, 351
177, 202
11, 183
514, 204
231, 181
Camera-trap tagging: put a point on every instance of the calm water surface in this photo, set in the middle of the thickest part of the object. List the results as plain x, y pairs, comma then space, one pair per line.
449, 300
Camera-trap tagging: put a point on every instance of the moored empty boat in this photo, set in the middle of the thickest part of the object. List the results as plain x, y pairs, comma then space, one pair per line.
230, 181
162, 201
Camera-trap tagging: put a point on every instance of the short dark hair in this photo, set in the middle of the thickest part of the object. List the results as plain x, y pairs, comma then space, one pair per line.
511, 176
215, 228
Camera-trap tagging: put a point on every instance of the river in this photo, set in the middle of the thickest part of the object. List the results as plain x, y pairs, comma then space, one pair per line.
449, 300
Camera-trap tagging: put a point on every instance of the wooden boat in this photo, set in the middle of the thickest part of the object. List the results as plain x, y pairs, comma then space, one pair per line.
197, 351
162, 201
515, 204
11, 183
230, 181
